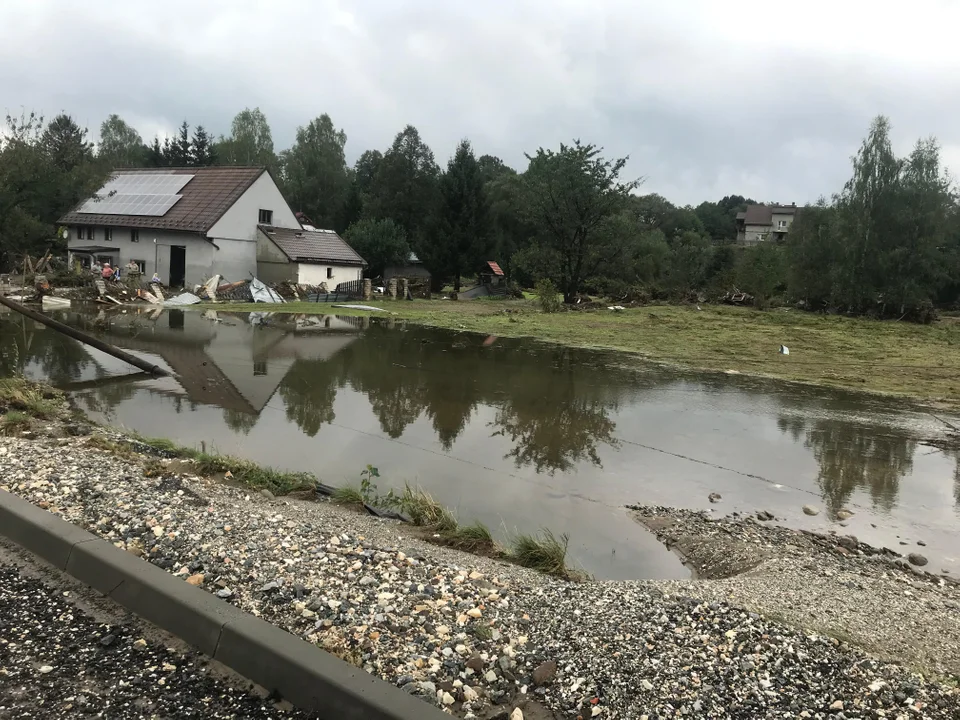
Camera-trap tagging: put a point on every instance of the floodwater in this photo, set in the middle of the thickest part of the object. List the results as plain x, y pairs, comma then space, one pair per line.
515, 433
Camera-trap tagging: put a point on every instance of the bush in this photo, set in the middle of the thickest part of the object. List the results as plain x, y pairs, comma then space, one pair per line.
547, 295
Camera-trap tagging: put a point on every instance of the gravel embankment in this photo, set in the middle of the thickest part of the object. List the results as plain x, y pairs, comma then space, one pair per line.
834, 584
60, 658
473, 635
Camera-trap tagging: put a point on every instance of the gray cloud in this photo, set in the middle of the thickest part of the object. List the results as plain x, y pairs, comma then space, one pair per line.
707, 98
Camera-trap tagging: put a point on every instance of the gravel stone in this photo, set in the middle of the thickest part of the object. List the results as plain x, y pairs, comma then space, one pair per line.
430, 614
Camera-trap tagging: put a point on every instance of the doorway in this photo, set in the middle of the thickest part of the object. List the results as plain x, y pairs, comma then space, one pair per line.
178, 265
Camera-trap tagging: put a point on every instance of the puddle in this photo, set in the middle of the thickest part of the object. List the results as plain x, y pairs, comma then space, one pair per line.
515, 433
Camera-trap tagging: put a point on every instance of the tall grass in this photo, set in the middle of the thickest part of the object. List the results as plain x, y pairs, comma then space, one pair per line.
544, 552
30, 398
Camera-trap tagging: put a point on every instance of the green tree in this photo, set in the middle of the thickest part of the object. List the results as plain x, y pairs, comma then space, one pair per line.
43, 173
381, 243
464, 216
181, 150
155, 157
120, 145
813, 253
201, 148
403, 186
65, 143
250, 141
315, 174
568, 195
867, 215
761, 271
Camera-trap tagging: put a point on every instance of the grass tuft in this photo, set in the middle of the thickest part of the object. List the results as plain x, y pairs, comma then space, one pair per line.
347, 495
14, 422
30, 398
251, 474
544, 552
475, 538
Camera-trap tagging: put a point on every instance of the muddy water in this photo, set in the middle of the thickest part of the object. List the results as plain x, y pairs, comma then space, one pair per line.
515, 433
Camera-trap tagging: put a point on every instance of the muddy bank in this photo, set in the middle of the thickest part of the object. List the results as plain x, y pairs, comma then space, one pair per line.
874, 598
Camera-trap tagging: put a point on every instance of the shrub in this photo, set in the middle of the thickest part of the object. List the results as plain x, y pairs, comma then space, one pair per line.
547, 295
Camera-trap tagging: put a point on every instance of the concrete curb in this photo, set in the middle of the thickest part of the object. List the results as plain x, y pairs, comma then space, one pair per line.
302, 673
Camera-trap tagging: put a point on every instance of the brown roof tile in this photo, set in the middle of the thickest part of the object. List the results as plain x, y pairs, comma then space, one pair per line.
312, 245
205, 198
763, 214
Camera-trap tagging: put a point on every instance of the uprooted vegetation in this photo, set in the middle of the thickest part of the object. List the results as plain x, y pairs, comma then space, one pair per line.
544, 552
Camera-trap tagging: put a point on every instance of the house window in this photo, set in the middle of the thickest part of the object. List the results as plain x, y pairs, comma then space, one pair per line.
329, 273
134, 235
108, 234
259, 366
266, 217
781, 224
105, 259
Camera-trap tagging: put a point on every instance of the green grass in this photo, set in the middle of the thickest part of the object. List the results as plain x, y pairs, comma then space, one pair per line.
241, 471
919, 361
14, 422
348, 495
32, 399
544, 552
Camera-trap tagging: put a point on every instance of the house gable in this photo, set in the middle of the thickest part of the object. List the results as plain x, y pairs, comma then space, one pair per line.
240, 221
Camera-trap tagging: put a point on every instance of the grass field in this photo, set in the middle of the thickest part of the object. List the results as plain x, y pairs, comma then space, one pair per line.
918, 361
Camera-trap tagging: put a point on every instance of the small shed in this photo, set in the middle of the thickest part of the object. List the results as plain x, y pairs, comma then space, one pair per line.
491, 274
306, 257
413, 269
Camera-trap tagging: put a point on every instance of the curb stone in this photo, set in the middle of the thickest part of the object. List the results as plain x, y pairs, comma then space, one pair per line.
302, 673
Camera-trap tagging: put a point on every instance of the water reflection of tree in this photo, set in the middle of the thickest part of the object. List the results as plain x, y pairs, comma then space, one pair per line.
853, 458
308, 391
60, 359
105, 398
553, 416
239, 421
548, 403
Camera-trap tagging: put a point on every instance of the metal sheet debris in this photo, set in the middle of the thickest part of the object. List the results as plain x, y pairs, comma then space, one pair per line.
371, 308
186, 298
261, 293
49, 301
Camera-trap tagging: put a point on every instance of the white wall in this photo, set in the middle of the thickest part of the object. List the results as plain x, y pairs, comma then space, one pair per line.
199, 251
777, 217
314, 274
240, 221
235, 259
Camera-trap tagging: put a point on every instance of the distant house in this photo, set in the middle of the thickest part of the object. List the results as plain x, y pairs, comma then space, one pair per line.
764, 222
186, 224
306, 257
413, 269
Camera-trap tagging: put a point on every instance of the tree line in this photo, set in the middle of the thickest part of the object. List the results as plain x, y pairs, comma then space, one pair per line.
888, 243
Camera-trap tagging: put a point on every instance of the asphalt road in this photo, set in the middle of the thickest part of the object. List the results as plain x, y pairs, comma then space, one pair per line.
67, 652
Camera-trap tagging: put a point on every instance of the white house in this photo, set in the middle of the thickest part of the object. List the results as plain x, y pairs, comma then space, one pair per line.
186, 224
306, 257
764, 222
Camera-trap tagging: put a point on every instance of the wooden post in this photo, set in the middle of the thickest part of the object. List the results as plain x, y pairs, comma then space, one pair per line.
84, 338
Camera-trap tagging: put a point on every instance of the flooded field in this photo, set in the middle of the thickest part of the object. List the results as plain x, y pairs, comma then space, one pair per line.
515, 433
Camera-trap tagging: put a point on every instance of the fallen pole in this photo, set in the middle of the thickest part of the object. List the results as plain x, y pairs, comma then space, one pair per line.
84, 338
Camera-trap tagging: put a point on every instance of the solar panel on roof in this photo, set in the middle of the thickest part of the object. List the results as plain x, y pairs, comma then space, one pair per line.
146, 194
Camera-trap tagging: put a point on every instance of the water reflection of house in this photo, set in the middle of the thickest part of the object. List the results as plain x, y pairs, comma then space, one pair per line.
232, 364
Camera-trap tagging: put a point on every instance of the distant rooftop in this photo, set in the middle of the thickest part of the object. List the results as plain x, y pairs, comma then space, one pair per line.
312, 245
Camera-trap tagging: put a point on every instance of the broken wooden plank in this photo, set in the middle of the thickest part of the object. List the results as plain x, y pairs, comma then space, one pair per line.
113, 300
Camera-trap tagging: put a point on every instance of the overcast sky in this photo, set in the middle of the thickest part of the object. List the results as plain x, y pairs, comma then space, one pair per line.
709, 98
